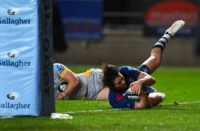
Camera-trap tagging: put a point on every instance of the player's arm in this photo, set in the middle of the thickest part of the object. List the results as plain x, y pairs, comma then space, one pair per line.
72, 81
144, 79
144, 101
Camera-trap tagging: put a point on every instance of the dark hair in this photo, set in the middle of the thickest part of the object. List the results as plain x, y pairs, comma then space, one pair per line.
110, 73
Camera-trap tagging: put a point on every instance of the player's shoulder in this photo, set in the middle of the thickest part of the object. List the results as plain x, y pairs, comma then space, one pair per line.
59, 67
96, 70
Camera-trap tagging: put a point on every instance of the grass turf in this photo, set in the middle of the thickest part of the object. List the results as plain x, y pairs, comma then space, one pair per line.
180, 85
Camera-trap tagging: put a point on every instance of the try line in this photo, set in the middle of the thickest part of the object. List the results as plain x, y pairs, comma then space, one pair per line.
117, 109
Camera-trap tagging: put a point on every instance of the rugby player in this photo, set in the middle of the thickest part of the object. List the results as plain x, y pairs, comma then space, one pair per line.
86, 85
89, 85
127, 82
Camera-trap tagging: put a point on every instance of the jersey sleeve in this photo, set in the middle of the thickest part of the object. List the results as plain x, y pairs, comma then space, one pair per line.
119, 100
60, 69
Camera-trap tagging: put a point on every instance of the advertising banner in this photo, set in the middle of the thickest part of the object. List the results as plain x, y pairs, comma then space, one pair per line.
82, 19
160, 14
21, 55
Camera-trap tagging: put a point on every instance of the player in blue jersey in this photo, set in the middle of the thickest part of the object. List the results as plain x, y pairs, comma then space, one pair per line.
88, 85
126, 83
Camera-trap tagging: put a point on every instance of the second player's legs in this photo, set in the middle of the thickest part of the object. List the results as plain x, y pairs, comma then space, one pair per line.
155, 59
103, 94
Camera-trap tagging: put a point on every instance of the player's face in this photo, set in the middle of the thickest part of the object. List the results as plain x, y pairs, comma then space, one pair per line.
119, 82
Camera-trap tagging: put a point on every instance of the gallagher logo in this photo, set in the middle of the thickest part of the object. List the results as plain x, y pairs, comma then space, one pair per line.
12, 95
13, 11
13, 53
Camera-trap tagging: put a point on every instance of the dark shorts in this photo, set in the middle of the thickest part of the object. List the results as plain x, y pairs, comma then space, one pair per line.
144, 68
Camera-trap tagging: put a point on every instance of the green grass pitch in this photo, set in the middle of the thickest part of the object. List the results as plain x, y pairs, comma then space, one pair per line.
181, 85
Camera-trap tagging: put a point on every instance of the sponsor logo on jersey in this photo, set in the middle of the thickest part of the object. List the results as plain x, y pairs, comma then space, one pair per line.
59, 67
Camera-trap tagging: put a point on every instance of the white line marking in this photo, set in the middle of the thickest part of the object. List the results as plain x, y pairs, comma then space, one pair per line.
99, 110
117, 109
182, 103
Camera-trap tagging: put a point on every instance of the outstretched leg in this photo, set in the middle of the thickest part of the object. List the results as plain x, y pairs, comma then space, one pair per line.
155, 59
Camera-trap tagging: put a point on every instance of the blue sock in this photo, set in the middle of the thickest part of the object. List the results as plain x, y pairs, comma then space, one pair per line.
161, 43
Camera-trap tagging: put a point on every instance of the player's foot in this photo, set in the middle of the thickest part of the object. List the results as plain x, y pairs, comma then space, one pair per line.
175, 27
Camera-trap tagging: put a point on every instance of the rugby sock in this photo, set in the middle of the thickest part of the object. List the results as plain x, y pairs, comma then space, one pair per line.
161, 43
163, 95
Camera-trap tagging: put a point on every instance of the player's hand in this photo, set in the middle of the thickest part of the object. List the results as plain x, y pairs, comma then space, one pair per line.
60, 97
136, 87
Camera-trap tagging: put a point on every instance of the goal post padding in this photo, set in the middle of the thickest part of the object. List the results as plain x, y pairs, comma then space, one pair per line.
26, 58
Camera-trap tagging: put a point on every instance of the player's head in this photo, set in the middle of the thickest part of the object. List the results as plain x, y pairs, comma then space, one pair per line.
113, 78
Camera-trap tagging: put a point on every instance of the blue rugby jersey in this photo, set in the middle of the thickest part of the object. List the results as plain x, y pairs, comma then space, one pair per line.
130, 74
120, 99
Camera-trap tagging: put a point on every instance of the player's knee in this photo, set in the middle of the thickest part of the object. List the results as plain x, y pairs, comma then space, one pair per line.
155, 98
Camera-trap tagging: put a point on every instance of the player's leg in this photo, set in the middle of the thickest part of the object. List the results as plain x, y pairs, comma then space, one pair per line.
103, 94
155, 59
156, 98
